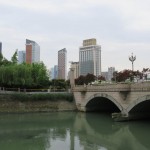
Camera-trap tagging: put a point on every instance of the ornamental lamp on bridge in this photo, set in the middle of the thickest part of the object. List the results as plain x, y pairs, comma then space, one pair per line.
132, 59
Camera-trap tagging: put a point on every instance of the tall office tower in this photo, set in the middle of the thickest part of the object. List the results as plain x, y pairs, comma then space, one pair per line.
90, 58
0, 47
52, 73
62, 64
21, 57
75, 66
32, 52
55, 71
111, 70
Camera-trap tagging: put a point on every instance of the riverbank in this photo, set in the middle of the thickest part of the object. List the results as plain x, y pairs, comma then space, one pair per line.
21, 103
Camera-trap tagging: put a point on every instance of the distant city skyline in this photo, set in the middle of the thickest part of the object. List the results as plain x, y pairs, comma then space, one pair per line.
121, 28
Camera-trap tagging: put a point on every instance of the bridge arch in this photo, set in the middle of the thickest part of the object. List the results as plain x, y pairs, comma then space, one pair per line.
106, 96
144, 99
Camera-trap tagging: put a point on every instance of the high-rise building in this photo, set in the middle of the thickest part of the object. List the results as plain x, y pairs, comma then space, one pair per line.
62, 64
32, 52
111, 70
21, 57
55, 71
0, 47
90, 58
75, 66
52, 73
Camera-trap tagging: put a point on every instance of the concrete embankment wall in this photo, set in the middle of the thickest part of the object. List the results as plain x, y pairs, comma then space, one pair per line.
9, 104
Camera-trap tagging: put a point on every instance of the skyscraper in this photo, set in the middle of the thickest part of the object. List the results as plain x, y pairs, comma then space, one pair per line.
55, 71
62, 64
0, 47
21, 57
111, 71
32, 52
90, 58
52, 73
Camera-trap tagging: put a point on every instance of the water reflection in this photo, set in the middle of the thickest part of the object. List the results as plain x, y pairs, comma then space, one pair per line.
71, 131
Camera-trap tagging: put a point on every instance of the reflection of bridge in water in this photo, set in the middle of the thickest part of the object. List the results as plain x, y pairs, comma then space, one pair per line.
74, 131
128, 100
107, 134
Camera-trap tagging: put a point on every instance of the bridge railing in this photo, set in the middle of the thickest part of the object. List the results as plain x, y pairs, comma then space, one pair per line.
144, 86
103, 87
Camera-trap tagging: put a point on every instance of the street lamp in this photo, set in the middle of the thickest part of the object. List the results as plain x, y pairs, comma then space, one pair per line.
132, 59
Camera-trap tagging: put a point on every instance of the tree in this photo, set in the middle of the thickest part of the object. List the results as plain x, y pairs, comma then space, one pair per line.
89, 78
24, 76
14, 58
80, 80
101, 78
1, 57
85, 79
58, 84
126, 74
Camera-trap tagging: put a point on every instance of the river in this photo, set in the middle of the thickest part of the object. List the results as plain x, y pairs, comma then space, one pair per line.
71, 131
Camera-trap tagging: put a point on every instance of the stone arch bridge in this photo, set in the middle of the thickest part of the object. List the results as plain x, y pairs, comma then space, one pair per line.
124, 101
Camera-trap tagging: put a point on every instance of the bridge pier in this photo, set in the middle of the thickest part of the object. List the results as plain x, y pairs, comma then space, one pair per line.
120, 116
127, 117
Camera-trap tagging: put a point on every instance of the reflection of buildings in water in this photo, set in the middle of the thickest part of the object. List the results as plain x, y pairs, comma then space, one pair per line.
56, 140
93, 131
108, 135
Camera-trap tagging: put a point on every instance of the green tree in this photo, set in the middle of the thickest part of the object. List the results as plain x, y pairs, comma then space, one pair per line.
14, 58
1, 57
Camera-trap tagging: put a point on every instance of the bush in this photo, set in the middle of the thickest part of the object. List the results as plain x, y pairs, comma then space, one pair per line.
41, 97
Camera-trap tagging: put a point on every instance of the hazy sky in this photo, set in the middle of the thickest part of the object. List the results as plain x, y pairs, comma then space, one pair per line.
120, 27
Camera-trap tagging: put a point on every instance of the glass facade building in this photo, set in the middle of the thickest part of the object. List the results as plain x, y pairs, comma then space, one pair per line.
90, 58
21, 57
32, 52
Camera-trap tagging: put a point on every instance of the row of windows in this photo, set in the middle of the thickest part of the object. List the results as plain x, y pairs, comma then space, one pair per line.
86, 55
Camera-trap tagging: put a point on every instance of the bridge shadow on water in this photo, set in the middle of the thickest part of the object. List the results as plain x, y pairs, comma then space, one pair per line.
141, 111
101, 104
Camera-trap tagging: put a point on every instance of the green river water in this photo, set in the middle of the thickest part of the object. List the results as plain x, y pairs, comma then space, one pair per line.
71, 131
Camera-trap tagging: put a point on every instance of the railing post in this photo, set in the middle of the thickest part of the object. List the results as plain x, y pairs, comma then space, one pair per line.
24, 90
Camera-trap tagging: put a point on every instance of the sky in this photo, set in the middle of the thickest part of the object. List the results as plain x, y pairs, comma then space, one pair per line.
121, 27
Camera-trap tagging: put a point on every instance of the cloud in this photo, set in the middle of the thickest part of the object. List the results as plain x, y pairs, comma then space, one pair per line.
120, 27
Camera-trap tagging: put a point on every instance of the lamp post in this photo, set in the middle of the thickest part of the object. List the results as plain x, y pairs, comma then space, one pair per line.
132, 59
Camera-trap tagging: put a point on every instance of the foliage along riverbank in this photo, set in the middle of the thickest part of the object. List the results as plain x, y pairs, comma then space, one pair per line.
21, 103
